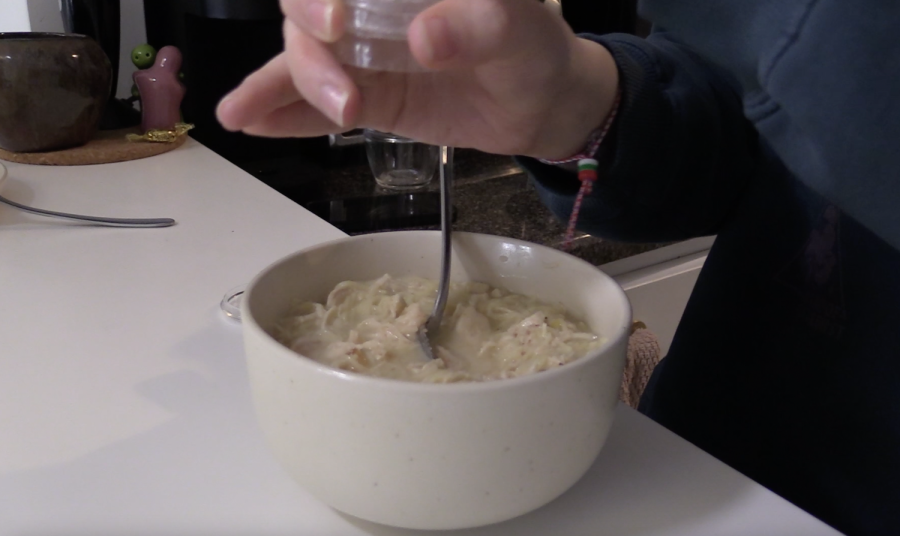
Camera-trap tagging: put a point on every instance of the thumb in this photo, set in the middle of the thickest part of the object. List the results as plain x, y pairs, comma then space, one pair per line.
467, 33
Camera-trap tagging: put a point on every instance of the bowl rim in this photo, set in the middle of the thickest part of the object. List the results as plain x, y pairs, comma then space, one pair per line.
249, 322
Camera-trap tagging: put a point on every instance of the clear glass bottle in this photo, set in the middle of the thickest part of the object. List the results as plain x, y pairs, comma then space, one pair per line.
376, 34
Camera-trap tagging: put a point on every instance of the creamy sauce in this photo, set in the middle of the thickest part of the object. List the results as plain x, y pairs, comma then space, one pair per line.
487, 333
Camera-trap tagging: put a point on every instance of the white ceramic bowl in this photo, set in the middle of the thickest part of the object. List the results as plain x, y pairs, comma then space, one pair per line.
431, 456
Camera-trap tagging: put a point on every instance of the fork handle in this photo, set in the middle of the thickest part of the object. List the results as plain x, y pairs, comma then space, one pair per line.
99, 220
446, 174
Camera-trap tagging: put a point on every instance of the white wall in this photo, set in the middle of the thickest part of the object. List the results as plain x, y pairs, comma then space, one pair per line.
133, 34
45, 16
14, 16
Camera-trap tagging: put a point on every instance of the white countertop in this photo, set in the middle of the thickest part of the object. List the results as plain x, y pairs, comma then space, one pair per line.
124, 405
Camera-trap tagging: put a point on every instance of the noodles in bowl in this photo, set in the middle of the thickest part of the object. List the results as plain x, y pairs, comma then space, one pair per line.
488, 333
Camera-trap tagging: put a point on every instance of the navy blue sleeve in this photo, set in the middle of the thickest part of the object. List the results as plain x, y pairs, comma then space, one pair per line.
680, 153
829, 106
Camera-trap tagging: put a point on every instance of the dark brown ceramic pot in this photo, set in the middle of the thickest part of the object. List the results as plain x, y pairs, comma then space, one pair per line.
52, 90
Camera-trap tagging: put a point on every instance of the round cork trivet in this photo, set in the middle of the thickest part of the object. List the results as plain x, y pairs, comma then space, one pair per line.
106, 147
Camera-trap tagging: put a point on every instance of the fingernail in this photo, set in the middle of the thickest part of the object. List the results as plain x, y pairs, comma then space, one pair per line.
334, 101
320, 16
226, 100
439, 40
223, 109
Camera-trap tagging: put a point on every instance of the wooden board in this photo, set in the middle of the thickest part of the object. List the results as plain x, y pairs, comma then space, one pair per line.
106, 147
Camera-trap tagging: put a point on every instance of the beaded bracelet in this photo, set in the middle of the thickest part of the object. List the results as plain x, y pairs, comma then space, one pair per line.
587, 174
587, 169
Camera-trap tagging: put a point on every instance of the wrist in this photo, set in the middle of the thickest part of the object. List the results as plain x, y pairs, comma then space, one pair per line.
595, 139
584, 106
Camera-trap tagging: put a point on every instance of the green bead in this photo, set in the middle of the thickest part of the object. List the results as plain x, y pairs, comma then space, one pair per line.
135, 92
143, 56
588, 163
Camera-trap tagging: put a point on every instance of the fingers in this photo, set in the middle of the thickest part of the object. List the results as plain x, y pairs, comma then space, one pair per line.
323, 19
299, 120
320, 78
466, 33
269, 88
302, 84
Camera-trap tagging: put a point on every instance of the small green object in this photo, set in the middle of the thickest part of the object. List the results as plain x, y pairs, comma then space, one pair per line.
588, 163
143, 56
135, 92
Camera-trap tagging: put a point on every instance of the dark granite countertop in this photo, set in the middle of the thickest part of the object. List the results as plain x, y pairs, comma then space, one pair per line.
491, 195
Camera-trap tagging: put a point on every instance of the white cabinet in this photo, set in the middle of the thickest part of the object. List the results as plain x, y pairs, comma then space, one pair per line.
659, 283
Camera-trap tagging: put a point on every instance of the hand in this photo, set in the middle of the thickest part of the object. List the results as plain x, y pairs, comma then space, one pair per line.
506, 77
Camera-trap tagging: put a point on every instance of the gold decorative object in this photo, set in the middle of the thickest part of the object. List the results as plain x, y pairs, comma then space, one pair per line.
162, 136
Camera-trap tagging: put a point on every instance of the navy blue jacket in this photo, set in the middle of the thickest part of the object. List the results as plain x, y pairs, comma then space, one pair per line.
774, 124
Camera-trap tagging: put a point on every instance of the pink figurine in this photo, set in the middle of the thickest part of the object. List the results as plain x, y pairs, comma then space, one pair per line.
161, 91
